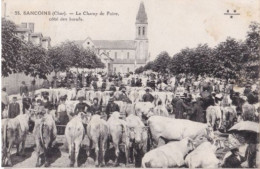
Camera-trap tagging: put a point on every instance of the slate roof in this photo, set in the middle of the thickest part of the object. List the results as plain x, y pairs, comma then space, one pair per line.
141, 15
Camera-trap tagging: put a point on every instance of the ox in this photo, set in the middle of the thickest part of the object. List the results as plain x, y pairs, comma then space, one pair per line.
196, 159
74, 133
97, 132
14, 131
169, 155
138, 138
213, 113
118, 132
170, 129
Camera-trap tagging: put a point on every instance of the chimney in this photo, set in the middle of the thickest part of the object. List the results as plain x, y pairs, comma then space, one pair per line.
31, 26
23, 25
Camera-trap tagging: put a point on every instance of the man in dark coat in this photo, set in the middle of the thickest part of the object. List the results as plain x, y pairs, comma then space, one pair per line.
123, 96
111, 107
174, 101
197, 112
81, 106
95, 108
112, 87
14, 108
23, 89
26, 101
234, 160
148, 97
181, 108
133, 82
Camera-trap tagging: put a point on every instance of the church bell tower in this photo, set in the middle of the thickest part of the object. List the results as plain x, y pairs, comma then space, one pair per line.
141, 39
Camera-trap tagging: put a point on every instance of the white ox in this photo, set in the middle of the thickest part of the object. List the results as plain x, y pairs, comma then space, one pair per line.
118, 132
204, 156
170, 129
74, 133
168, 156
97, 132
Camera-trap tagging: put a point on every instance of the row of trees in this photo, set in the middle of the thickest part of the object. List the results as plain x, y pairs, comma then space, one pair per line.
231, 59
20, 56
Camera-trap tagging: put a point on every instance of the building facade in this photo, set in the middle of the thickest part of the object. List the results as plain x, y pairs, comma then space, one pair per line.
123, 55
25, 31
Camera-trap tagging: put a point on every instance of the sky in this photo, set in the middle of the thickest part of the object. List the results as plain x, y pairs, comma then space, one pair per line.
172, 24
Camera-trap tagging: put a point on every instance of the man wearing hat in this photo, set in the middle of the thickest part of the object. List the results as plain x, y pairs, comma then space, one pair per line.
123, 96
181, 107
148, 97
197, 111
112, 87
247, 89
81, 106
95, 108
111, 107
235, 159
14, 108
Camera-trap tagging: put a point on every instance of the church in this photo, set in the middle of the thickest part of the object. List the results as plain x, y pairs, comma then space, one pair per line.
123, 55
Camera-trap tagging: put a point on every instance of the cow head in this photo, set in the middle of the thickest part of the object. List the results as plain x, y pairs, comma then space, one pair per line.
190, 144
210, 133
139, 135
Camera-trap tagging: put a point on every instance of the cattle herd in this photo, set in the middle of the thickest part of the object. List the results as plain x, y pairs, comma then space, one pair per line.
151, 134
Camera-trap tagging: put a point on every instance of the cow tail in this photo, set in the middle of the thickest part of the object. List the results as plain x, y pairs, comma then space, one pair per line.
101, 137
150, 138
41, 135
72, 155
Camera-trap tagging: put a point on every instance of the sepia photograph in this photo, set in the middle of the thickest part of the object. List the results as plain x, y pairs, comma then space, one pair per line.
130, 83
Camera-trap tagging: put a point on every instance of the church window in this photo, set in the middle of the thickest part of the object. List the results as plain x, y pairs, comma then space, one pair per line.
128, 70
114, 69
139, 30
143, 30
115, 55
127, 55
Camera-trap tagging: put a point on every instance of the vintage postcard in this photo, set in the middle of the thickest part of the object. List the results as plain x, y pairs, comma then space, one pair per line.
130, 83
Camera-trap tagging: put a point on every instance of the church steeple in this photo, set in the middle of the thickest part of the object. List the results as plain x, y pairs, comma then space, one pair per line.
141, 39
141, 23
141, 17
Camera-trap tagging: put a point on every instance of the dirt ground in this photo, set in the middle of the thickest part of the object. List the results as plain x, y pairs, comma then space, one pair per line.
60, 158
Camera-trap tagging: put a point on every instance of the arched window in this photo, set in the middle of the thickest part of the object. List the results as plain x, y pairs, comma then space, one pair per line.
143, 30
139, 31
127, 55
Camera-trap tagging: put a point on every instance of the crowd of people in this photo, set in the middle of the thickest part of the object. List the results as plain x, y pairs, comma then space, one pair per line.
191, 96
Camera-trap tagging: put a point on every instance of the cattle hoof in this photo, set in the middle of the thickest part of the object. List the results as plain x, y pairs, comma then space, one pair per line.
46, 164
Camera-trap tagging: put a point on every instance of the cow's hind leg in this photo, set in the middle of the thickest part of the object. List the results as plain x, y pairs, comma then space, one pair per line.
117, 154
103, 152
38, 162
96, 152
17, 149
46, 162
22, 150
77, 147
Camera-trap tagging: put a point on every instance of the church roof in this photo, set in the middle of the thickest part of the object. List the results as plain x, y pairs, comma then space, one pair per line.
114, 44
141, 15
